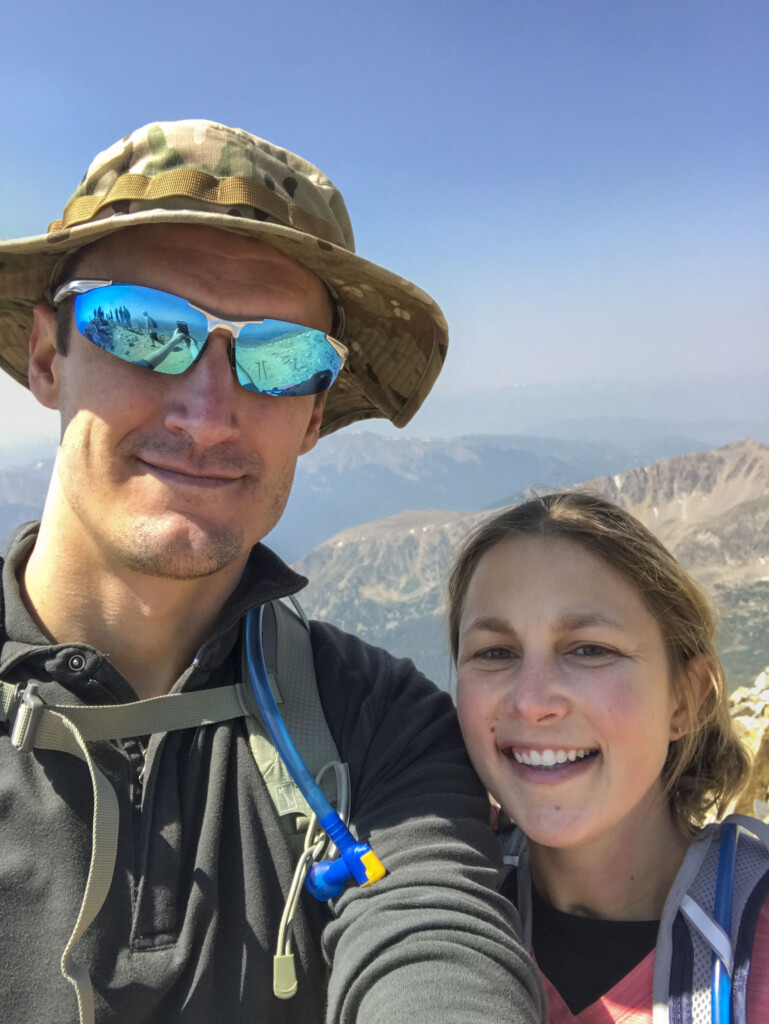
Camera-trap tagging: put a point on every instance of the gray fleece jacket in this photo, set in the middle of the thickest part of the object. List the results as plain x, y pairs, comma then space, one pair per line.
189, 927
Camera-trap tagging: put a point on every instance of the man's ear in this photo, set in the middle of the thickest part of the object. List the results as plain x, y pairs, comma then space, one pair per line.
44, 358
697, 680
313, 427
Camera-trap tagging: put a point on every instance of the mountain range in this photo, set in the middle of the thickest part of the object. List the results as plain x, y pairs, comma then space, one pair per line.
22, 494
352, 478
385, 580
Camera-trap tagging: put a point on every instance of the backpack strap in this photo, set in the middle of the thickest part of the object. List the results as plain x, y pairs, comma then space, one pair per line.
753, 860
69, 728
515, 854
291, 672
689, 934
663, 955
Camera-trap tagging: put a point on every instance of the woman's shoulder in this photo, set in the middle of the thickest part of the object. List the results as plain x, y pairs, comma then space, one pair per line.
758, 981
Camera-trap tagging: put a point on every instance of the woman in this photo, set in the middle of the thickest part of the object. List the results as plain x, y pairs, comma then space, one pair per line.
594, 708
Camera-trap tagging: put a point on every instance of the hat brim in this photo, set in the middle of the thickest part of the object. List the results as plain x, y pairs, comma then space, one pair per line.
395, 333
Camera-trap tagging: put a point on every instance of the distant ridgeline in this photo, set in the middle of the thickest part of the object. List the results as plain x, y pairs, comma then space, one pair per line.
22, 494
386, 580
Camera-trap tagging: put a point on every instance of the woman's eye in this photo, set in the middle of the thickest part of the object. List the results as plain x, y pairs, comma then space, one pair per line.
495, 653
591, 651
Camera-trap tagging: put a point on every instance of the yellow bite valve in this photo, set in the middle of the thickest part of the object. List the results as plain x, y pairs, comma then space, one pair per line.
373, 866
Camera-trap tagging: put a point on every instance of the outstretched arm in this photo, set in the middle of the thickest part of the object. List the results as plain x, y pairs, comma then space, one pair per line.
433, 941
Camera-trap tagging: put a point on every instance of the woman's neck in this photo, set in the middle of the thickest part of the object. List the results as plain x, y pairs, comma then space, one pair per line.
624, 875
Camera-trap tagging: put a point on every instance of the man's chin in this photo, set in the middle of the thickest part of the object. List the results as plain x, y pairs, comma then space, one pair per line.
187, 553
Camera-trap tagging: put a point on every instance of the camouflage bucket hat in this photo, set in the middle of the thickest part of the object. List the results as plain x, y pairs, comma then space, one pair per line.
199, 172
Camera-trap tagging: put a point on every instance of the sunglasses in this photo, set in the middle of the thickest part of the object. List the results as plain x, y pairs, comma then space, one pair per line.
164, 332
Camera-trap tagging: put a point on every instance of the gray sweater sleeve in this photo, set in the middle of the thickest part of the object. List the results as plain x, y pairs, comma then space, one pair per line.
433, 941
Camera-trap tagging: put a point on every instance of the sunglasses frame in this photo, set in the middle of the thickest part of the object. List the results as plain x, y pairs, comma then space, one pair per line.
81, 286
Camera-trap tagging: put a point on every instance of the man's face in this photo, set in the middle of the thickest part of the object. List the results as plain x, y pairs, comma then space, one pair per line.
177, 476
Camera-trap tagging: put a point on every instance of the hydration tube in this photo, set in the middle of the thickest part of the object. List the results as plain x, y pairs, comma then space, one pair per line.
358, 861
721, 984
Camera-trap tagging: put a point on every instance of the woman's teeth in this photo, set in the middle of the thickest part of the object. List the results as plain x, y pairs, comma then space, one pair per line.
549, 758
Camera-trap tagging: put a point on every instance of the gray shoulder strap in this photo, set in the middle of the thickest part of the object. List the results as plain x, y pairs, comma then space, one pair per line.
693, 894
515, 853
663, 955
291, 671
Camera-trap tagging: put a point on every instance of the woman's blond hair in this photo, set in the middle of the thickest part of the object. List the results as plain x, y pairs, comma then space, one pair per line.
707, 766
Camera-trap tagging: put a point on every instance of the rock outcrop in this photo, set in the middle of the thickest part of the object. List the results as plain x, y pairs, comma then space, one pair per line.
750, 710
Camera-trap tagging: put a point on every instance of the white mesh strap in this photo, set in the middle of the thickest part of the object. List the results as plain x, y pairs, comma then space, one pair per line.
760, 829
67, 728
663, 956
710, 930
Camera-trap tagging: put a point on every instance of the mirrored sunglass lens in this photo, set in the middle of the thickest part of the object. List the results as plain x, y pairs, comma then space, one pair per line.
277, 358
143, 326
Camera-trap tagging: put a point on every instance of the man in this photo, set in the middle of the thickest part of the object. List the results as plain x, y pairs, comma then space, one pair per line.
137, 584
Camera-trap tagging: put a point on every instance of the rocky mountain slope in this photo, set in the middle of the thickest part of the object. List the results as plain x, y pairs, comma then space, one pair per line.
385, 580
711, 509
353, 478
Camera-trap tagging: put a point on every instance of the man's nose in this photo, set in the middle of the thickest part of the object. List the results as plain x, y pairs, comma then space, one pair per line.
203, 401
537, 694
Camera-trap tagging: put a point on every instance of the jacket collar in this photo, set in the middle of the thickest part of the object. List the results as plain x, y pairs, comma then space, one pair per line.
265, 578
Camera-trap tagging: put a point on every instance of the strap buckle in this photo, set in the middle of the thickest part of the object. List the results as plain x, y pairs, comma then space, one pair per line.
27, 708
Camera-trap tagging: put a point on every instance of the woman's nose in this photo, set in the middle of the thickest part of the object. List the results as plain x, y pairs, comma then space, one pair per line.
536, 693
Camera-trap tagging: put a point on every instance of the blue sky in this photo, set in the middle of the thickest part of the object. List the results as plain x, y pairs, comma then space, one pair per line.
582, 184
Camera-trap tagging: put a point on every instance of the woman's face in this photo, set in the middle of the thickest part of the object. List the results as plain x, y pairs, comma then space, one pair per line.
563, 691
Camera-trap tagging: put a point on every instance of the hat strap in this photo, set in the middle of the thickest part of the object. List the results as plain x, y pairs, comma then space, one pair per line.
188, 183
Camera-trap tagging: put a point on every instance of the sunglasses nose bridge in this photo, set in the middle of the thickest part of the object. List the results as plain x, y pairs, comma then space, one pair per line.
231, 326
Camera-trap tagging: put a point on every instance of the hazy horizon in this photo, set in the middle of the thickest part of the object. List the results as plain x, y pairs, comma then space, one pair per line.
698, 406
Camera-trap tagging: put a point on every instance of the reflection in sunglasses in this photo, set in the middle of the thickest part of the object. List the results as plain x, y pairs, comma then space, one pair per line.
164, 332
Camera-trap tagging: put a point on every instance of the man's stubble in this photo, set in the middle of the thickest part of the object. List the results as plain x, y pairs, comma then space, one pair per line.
173, 544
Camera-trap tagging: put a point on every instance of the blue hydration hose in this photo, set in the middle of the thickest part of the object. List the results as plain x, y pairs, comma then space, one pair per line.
326, 879
721, 988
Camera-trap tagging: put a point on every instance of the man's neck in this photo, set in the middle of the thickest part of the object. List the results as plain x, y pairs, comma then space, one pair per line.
149, 627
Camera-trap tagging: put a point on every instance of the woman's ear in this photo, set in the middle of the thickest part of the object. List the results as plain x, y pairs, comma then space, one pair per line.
696, 682
44, 357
